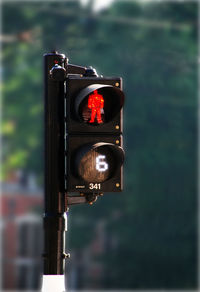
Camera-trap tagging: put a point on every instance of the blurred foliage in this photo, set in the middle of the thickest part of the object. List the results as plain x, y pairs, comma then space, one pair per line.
153, 46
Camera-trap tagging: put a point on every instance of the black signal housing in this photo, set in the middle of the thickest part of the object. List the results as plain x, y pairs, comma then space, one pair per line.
94, 150
79, 88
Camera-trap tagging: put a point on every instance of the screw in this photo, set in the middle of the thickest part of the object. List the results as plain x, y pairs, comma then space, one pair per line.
66, 255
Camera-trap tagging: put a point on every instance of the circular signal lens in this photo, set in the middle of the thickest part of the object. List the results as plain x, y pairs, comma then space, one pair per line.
98, 104
97, 163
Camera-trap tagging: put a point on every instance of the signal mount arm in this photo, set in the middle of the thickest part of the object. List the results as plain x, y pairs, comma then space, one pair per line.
59, 73
84, 198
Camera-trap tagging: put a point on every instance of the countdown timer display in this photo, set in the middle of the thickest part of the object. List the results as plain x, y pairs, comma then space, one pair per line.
96, 166
97, 163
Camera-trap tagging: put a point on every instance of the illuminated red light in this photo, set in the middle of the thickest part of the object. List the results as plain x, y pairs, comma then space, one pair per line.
55, 62
96, 104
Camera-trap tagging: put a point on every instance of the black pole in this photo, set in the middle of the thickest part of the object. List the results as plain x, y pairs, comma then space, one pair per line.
54, 216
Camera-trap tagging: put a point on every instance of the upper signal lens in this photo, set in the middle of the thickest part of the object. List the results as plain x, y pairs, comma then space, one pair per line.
98, 104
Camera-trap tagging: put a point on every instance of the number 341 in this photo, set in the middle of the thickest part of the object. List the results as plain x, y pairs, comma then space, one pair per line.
94, 186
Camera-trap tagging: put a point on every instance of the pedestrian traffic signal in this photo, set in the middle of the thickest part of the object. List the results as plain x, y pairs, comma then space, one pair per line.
94, 134
83, 146
93, 111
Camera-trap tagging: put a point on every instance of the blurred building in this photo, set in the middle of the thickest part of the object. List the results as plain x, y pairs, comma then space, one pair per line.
21, 233
22, 242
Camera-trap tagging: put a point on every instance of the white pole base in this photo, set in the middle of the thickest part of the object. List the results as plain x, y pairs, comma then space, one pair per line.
53, 283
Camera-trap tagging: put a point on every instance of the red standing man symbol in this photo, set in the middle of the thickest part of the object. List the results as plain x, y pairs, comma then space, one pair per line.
96, 103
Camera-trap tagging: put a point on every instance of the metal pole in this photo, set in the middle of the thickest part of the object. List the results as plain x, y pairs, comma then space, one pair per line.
54, 216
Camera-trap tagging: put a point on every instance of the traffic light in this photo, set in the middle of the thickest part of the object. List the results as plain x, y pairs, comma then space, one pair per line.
83, 146
94, 144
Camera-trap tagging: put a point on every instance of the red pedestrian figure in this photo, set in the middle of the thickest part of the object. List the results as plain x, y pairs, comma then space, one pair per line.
95, 103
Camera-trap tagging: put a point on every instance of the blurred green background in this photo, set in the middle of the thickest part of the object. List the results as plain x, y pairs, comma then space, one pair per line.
147, 235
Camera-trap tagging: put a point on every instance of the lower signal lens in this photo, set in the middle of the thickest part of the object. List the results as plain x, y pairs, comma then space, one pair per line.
97, 163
